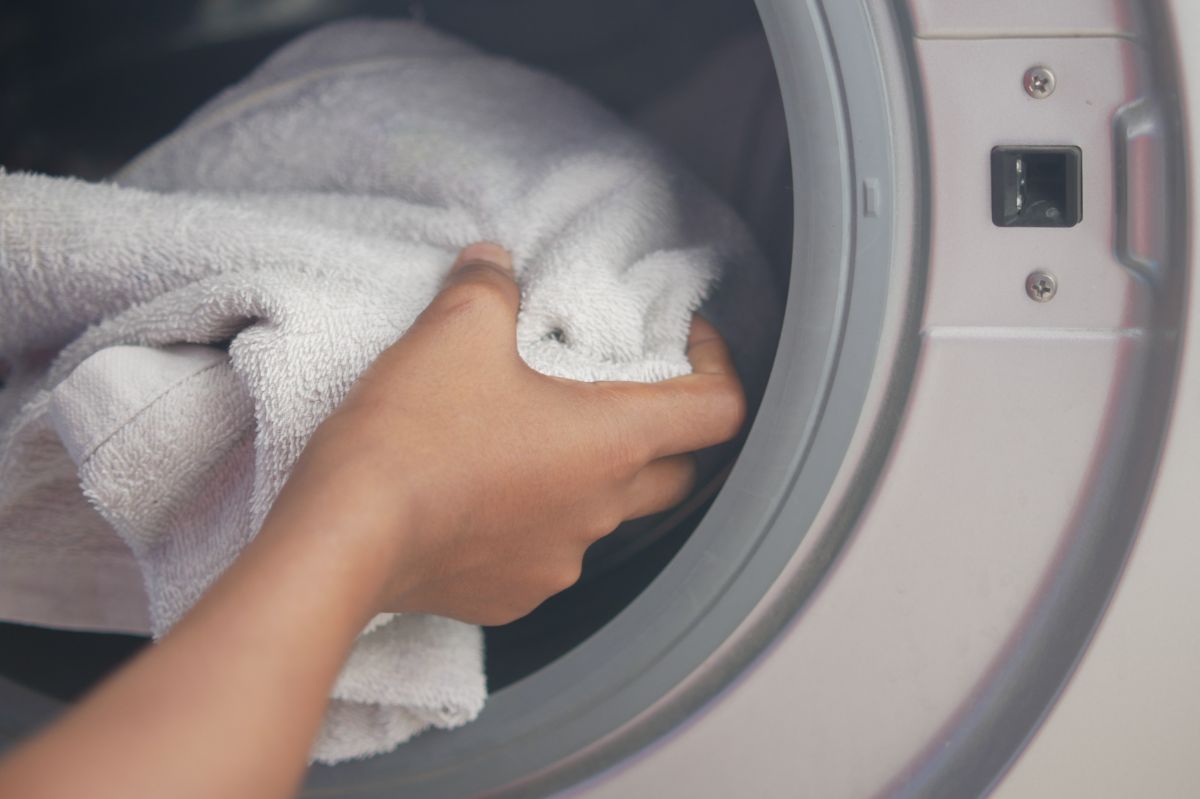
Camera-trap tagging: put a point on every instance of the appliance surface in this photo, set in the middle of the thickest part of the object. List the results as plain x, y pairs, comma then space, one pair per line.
1124, 721
955, 554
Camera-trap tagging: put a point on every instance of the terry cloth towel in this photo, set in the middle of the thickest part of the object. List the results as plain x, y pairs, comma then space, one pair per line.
174, 336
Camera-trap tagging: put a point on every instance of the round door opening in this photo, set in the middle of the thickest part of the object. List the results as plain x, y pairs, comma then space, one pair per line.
755, 101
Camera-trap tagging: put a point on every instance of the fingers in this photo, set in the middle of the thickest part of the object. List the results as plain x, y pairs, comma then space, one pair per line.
482, 255
481, 280
688, 413
661, 485
707, 351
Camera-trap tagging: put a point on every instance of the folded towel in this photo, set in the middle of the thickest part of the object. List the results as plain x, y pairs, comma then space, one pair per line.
175, 337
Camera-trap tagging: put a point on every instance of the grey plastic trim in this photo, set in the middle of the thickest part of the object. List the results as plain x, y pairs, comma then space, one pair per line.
1139, 119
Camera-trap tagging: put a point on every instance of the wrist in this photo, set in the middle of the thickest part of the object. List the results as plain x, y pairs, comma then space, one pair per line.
360, 530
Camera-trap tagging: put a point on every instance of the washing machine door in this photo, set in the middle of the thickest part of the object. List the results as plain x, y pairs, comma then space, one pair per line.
951, 456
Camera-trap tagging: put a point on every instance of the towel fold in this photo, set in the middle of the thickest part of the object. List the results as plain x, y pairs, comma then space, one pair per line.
175, 336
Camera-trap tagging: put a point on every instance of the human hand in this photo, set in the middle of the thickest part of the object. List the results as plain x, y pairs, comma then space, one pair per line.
453, 480
480, 482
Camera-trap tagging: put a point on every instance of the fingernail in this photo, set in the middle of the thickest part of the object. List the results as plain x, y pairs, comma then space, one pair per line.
485, 251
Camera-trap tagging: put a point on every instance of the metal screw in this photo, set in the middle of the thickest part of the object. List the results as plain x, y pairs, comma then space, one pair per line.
1041, 286
1039, 82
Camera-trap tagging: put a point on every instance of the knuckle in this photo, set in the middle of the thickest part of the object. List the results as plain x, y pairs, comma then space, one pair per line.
604, 524
565, 576
731, 401
686, 479
516, 602
496, 616
470, 296
626, 448
627, 457
628, 452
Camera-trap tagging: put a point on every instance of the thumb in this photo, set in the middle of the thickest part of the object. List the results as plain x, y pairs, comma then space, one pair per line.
486, 264
485, 255
480, 286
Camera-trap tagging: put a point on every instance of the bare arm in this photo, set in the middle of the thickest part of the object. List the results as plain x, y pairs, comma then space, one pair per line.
471, 491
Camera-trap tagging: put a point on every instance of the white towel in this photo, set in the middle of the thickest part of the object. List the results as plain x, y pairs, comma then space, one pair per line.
175, 337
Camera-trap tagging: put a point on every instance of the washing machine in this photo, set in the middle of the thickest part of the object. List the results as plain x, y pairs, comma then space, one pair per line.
956, 552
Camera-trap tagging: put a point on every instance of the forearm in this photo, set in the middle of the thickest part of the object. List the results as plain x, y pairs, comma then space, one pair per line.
228, 703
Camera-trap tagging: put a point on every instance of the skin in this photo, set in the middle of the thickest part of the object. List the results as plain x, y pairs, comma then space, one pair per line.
471, 492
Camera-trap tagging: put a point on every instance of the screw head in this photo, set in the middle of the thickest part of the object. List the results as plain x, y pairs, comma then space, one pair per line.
1039, 82
1041, 286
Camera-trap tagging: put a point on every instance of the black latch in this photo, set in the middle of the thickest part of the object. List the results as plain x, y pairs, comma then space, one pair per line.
1037, 186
